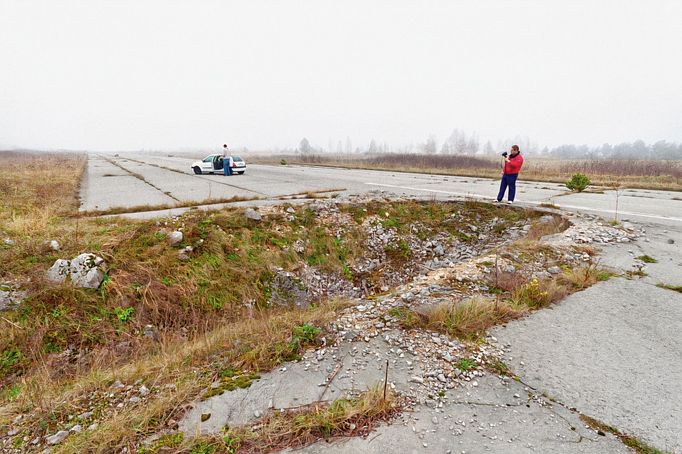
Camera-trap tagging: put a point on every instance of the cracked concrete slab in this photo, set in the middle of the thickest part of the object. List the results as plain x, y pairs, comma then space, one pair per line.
105, 186
356, 367
481, 419
613, 351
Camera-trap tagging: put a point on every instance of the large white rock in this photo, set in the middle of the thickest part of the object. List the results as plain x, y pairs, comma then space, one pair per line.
85, 271
10, 296
59, 271
175, 238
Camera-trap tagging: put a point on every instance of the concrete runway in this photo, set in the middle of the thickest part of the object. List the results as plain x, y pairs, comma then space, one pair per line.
137, 179
611, 351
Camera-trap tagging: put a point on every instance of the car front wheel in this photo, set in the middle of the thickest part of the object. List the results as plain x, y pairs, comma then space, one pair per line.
241, 173
197, 170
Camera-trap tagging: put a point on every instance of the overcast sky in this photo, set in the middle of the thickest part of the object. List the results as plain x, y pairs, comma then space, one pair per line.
168, 74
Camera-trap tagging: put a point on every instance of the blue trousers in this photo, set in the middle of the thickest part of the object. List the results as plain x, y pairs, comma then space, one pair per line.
227, 170
508, 180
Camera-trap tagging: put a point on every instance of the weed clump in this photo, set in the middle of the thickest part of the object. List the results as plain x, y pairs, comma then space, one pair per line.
578, 182
467, 320
674, 288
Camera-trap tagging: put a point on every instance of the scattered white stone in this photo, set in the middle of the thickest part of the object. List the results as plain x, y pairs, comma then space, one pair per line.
57, 438
252, 214
175, 238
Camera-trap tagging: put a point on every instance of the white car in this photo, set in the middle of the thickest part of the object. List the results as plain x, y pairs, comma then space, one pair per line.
213, 163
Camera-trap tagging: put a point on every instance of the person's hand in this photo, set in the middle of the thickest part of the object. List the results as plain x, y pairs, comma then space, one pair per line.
506, 159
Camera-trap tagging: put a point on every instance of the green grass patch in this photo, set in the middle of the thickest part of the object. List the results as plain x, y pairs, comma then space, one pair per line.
465, 364
674, 288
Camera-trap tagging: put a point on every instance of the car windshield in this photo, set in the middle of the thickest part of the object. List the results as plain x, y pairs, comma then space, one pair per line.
237, 158
209, 158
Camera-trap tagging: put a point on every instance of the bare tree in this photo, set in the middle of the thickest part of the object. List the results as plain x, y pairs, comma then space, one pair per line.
373, 148
430, 146
472, 144
304, 147
488, 148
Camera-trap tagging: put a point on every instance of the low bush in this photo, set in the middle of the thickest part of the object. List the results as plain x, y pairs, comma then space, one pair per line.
578, 182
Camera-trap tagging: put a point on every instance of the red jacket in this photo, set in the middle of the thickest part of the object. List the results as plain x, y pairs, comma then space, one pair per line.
514, 165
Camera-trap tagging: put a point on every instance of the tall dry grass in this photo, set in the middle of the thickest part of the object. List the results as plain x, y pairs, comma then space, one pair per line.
36, 189
185, 365
642, 174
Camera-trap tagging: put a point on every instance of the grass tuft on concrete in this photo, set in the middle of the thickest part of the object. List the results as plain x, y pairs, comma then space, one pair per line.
637, 445
674, 288
296, 428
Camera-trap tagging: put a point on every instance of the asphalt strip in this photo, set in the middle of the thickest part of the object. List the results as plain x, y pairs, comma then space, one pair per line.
184, 173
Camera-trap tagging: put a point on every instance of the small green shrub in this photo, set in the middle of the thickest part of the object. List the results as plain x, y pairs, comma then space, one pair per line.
465, 364
578, 182
9, 358
647, 259
124, 314
531, 295
283, 162
304, 335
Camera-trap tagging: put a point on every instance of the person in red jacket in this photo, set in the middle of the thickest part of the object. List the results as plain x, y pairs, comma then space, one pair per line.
512, 167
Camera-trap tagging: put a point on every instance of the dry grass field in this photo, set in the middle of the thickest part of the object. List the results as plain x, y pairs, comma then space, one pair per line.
63, 347
211, 314
664, 175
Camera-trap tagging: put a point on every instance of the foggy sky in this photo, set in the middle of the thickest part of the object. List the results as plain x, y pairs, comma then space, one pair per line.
166, 74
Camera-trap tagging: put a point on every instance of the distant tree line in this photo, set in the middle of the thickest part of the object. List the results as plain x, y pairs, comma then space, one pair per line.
458, 142
627, 150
